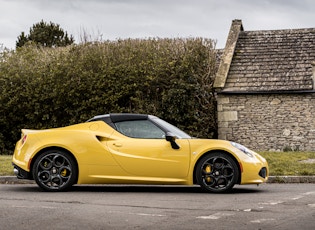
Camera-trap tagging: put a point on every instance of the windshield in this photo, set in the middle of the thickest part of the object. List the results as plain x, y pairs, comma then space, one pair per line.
171, 128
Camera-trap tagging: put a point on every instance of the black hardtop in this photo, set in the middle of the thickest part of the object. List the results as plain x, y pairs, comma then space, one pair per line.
119, 117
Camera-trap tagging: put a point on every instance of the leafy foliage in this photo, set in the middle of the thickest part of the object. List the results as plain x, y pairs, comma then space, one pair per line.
171, 78
47, 35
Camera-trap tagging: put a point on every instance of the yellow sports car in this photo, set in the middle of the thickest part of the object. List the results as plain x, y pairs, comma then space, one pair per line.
133, 149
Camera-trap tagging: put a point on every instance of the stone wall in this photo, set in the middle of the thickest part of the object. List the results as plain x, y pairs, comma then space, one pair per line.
268, 122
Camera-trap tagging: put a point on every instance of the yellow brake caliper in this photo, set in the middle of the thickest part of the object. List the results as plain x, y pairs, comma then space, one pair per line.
64, 172
208, 170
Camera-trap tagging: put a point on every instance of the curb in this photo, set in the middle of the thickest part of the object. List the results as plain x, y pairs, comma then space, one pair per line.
14, 180
271, 179
291, 179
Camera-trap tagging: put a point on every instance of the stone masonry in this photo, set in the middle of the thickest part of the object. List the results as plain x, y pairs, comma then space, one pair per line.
265, 89
271, 122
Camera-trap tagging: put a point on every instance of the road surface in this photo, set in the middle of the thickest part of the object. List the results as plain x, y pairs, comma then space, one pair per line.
269, 206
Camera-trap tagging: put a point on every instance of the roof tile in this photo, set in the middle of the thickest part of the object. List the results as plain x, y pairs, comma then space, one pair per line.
272, 60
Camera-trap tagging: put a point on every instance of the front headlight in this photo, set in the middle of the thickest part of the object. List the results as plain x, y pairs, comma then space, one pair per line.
243, 149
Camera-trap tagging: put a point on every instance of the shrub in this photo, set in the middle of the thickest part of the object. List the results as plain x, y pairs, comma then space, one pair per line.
52, 87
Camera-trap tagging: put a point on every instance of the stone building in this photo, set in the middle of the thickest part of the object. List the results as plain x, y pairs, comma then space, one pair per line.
265, 89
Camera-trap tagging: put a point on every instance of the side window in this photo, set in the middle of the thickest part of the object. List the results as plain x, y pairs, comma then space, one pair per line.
140, 129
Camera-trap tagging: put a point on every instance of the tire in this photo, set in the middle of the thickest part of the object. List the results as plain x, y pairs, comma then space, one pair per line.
55, 170
217, 172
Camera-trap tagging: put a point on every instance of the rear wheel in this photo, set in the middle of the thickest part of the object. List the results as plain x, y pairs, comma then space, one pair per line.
217, 172
55, 170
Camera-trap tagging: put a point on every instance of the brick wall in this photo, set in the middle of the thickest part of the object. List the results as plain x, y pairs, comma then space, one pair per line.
268, 122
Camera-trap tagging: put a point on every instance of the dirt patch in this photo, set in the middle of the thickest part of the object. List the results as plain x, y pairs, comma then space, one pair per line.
308, 161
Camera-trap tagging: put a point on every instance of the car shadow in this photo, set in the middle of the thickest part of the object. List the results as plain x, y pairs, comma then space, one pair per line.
139, 189
156, 189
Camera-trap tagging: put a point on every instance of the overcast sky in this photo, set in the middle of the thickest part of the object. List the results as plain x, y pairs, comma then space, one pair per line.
112, 19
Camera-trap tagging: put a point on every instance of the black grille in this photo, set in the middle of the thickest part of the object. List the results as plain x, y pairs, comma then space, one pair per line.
263, 172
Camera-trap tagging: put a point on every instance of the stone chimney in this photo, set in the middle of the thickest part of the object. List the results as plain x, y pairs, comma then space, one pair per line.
227, 56
313, 76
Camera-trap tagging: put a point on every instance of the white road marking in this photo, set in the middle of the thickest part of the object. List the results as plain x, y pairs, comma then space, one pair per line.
215, 216
308, 193
279, 202
146, 214
297, 198
35, 207
272, 202
294, 198
262, 220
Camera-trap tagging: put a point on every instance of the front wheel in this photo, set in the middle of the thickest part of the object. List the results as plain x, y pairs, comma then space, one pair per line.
55, 170
217, 172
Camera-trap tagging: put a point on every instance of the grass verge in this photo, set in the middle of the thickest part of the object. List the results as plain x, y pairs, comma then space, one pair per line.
6, 168
290, 163
280, 163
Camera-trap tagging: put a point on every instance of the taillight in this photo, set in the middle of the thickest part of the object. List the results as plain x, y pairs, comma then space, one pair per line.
24, 139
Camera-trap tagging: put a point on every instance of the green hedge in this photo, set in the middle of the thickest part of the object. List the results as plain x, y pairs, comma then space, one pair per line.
52, 87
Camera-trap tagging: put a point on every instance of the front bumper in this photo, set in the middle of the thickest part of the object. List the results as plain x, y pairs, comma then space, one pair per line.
255, 174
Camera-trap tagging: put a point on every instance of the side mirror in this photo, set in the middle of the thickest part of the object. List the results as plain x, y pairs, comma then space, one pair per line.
171, 138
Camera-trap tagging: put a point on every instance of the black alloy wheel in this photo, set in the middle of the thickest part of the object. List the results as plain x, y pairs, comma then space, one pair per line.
217, 172
55, 170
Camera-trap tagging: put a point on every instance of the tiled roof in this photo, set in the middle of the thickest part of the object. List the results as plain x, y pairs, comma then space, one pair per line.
275, 60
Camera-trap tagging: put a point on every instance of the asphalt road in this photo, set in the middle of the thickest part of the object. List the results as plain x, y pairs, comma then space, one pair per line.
269, 206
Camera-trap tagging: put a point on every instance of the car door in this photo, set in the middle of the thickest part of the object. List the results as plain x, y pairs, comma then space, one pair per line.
144, 152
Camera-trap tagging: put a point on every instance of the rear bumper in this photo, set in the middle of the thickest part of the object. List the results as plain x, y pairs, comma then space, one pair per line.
21, 173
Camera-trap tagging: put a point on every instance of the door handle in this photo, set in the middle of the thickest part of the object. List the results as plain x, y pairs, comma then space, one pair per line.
118, 144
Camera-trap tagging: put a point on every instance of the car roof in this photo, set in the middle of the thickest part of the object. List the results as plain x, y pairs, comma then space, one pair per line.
118, 117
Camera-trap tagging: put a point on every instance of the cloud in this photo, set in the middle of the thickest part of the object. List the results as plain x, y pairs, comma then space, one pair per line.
112, 19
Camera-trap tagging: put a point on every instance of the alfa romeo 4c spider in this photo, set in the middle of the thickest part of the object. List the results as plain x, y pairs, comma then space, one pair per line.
133, 149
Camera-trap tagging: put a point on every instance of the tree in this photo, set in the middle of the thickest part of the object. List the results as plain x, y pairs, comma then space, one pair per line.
22, 39
45, 34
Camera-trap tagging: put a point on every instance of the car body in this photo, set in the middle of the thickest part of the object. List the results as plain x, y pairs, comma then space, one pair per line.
133, 149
